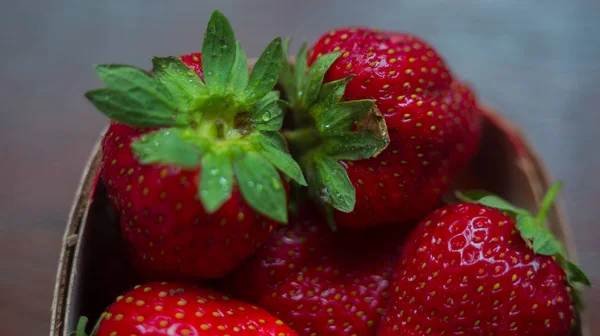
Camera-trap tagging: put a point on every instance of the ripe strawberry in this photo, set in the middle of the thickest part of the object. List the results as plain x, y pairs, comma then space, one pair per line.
467, 271
190, 157
432, 120
320, 282
179, 309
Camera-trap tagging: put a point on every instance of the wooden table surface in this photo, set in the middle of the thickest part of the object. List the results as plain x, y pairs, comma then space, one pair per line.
536, 62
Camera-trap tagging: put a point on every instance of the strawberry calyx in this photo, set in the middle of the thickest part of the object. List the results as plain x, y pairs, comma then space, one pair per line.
227, 124
82, 325
329, 130
533, 229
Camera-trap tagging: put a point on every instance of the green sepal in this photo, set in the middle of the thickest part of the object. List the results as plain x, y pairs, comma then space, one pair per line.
265, 72
286, 77
267, 114
82, 325
183, 84
576, 275
532, 228
314, 78
301, 69
238, 78
348, 112
331, 93
133, 81
352, 145
261, 185
216, 180
273, 148
166, 146
329, 183
80, 329
490, 200
218, 53
136, 108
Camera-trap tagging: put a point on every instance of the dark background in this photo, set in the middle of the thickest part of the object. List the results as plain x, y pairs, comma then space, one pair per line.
537, 62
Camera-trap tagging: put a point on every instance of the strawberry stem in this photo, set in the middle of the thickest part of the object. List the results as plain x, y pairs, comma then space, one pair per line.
304, 138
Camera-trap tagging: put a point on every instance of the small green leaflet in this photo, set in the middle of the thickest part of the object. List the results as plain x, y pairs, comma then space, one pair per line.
352, 145
183, 84
495, 202
272, 148
216, 180
286, 77
139, 109
218, 53
261, 185
347, 113
166, 146
265, 72
576, 275
267, 114
314, 78
132, 81
334, 186
527, 226
238, 78
300, 71
331, 93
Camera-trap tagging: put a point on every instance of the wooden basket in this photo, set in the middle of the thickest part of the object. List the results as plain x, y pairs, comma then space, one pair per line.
506, 164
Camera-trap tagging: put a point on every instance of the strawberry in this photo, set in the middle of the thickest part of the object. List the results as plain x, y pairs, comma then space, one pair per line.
467, 271
320, 282
190, 157
431, 120
179, 309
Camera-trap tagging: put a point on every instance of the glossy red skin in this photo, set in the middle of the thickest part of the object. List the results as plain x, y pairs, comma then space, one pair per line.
321, 282
168, 232
433, 122
177, 309
466, 271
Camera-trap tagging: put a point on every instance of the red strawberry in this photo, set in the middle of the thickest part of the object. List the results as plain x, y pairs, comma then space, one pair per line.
190, 158
319, 282
467, 271
179, 309
432, 121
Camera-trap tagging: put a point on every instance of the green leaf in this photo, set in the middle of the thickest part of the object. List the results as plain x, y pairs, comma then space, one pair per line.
272, 147
352, 145
261, 185
218, 52
80, 329
314, 79
527, 226
334, 185
132, 81
544, 243
576, 275
286, 77
331, 93
472, 196
216, 180
265, 73
348, 112
301, 67
238, 79
496, 202
139, 109
166, 146
183, 84
547, 202
267, 114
